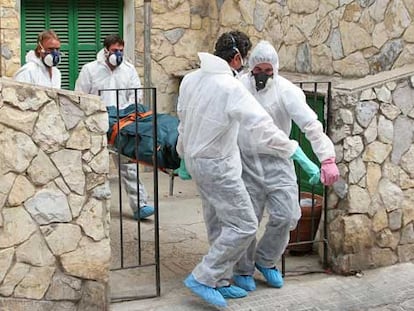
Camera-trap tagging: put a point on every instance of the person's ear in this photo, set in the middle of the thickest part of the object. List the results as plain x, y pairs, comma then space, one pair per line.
40, 48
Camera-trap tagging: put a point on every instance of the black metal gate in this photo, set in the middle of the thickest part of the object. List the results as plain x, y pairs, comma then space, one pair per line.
313, 199
135, 266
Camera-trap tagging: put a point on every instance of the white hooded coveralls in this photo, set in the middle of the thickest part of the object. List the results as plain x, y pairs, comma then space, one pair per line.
96, 76
212, 105
271, 181
35, 72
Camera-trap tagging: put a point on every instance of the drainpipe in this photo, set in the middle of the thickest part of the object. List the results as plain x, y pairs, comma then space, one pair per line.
147, 49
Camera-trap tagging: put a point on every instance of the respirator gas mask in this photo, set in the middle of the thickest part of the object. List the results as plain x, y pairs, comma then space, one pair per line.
51, 58
262, 79
114, 58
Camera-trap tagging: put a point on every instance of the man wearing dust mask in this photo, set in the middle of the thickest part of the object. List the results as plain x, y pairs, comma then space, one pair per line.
110, 71
271, 181
40, 68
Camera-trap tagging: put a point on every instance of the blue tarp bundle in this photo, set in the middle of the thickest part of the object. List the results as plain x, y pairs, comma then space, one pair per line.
135, 139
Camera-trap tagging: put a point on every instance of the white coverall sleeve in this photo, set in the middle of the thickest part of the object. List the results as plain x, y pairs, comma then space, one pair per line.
295, 103
263, 135
23, 75
134, 82
83, 82
181, 116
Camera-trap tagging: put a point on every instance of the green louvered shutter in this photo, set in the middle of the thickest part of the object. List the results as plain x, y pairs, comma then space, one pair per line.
80, 24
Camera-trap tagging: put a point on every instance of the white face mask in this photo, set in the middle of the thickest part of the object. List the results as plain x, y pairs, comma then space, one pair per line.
52, 58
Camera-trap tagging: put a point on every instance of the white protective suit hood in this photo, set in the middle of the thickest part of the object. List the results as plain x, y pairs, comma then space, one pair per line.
220, 103
286, 102
35, 72
264, 52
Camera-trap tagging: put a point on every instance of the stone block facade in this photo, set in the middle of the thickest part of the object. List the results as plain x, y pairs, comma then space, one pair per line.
54, 200
371, 208
347, 38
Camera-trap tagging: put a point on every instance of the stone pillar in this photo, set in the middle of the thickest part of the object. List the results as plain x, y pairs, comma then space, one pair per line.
9, 37
371, 209
54, 200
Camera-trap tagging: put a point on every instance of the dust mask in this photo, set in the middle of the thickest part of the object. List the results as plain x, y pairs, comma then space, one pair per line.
115, 59
51, 59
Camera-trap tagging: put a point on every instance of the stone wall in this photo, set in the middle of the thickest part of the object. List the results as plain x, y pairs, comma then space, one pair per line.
371, 209
9, 38
54, 200
349, 38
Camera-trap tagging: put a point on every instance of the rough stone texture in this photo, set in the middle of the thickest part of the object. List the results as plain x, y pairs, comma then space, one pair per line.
89, 261
365, 111
358, 236
69, 163
90, 219
35, 283
382, 43
35, 252
377, 152
93, 297
45, 149
20, 151
54, 233
402, 138
41, 170
64, 287
36, 305
6, 257
49, 206
50, 132
18, 226
374, 223
13, 277
22, 190
383, 27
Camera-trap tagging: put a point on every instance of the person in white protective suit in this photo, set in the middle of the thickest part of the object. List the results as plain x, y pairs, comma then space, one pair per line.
40, 67
111, 71
271, 181
212, 106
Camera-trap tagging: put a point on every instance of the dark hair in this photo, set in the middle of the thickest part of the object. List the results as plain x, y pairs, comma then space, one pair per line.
112, 39
44, 35
231, 43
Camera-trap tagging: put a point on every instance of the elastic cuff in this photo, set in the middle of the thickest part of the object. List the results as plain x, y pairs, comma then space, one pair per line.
329, 161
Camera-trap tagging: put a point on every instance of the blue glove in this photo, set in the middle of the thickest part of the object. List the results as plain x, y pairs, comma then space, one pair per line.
182, 171
307, 165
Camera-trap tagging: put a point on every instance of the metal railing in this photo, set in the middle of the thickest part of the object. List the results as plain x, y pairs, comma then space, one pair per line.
146, 254
303, 238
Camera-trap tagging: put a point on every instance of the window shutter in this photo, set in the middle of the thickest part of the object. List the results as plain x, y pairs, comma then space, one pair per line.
80, 24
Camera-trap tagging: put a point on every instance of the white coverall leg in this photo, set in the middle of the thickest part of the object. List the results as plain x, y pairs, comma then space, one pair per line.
278, 192
129, 180
228, 214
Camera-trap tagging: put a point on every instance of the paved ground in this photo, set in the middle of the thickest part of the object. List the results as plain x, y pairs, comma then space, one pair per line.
183, 242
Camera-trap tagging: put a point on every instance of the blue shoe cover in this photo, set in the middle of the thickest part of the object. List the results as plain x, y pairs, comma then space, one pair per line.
272, 276
209, 294
232, 291
144, 212
245, 281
